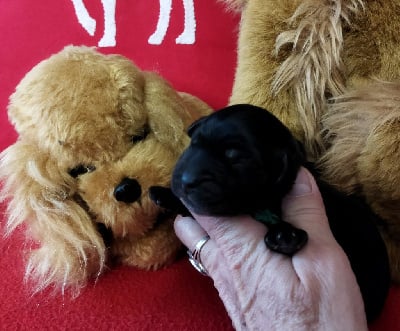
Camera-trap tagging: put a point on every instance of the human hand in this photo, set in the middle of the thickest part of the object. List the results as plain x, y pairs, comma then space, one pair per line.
314, 290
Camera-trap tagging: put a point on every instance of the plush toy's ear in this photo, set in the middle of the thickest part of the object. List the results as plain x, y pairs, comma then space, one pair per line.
170, 112
41, 195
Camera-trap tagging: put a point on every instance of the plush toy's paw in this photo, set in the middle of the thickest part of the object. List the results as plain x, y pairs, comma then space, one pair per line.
164, 198
285, 239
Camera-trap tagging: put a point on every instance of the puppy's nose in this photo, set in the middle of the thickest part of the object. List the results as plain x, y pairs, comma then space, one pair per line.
189, 180
128, 190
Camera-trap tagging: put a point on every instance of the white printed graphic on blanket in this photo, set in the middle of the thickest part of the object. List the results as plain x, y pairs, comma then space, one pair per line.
189, 32
187, 37
89, 24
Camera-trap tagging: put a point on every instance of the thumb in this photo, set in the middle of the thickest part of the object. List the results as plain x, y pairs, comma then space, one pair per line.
303, 207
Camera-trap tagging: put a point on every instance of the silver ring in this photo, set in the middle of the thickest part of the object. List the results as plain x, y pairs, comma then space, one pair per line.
195, 258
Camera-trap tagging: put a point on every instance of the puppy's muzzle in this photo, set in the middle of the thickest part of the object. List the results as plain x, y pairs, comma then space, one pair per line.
128, 190
190, 180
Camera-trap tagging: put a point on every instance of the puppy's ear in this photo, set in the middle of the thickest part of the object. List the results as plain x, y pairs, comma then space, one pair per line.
192, 127
287, 163
283, 168
41, 195
301, 151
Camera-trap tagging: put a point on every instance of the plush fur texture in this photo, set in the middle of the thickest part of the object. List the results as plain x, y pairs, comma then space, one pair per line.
363, 127
95, 133
290, 60
329, 69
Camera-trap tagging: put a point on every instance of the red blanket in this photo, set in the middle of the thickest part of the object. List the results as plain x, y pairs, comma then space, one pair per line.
200, 62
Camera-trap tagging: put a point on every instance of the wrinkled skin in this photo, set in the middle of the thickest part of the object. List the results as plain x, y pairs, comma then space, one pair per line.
261, 290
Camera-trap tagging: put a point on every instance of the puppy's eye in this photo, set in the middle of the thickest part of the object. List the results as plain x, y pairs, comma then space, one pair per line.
232, 153
141, 135
81, 170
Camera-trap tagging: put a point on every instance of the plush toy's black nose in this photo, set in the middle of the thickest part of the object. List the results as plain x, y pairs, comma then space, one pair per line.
128, 190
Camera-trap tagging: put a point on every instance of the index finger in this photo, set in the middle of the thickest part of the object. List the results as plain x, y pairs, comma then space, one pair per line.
234, 230
304, 208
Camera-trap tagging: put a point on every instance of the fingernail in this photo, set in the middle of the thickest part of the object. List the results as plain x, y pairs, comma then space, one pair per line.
302, 185
178, 218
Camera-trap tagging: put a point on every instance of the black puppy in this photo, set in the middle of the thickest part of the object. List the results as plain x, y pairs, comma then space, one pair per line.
243, 160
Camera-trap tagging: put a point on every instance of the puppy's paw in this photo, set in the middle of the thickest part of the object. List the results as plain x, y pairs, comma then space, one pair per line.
285, 239
164, 198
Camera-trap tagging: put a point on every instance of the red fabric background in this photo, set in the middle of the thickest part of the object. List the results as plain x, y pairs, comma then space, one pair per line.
124, 298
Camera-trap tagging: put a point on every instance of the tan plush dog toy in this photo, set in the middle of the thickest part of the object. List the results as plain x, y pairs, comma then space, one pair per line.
330, 69
95, 133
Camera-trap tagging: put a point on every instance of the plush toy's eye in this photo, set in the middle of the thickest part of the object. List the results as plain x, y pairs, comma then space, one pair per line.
80, 170
141, 135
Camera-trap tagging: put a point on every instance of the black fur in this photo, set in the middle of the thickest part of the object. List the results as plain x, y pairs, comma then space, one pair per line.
243, 160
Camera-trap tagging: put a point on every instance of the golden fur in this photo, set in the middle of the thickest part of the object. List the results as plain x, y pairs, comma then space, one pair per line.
235, 5
363, 127
80, 107
289, 60
329, 69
